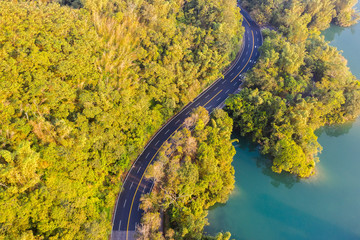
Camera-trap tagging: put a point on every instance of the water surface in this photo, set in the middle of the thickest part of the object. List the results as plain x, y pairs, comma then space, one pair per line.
265, 205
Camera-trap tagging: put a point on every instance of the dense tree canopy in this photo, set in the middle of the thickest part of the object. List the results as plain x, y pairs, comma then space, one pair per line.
303, 15
82, 88
294, 89
192, 173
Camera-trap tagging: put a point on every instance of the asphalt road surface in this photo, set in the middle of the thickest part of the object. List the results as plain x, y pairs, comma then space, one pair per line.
127, 213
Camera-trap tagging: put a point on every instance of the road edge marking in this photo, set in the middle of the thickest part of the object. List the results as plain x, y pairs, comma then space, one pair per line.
137, 188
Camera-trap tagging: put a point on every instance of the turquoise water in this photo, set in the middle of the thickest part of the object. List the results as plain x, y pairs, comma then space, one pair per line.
348, 41
265, 205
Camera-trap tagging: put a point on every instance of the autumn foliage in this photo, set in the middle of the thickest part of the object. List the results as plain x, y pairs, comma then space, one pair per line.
83, 86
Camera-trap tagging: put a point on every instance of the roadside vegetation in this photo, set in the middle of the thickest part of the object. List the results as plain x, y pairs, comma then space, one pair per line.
299, 84
193, 171
311, 14
83, 86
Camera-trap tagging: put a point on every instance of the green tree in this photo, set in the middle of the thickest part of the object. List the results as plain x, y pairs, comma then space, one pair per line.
83, 87
295, 88
189, 182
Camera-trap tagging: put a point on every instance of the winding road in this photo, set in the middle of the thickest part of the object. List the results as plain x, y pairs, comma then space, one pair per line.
127, 210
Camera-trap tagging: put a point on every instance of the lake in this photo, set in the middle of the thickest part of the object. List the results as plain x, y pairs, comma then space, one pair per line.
265, 205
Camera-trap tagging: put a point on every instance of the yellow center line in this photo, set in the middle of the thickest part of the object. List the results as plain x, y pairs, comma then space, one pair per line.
212, 98
137, 188
247, 21
252, 50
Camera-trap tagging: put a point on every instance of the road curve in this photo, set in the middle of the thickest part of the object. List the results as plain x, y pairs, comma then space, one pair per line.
127, 212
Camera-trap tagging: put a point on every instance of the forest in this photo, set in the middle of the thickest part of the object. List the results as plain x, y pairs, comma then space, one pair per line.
193, 171
83, 86
299, 84
312, 14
